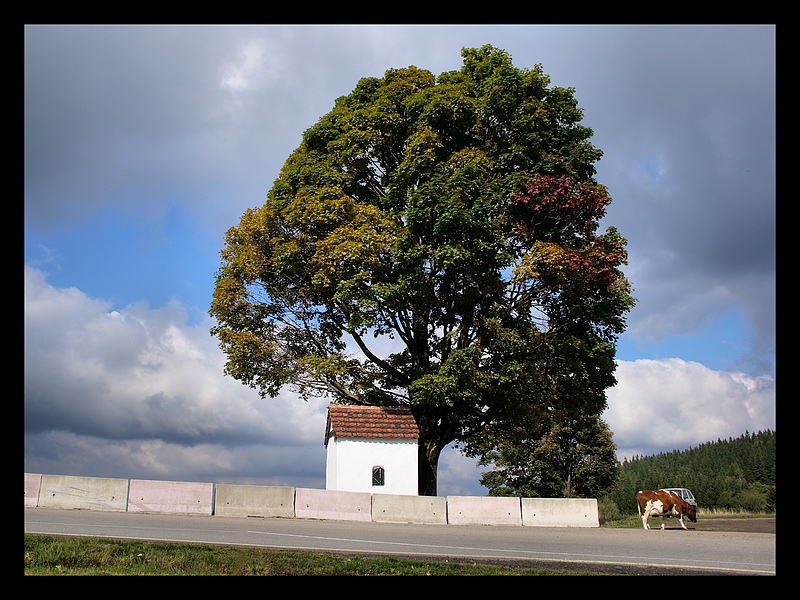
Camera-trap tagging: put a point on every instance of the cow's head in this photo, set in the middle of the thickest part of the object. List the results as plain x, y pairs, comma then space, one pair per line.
691, 512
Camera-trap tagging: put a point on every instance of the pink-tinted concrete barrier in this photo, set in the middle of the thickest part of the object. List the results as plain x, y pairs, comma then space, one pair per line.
332, 504
33, 484
170, 497
480, 510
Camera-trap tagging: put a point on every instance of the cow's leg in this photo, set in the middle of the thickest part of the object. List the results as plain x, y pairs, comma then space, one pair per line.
680, 519
646, 513
663, 522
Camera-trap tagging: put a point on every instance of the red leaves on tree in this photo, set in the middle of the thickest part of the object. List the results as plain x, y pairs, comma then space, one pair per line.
547, 191
553, 212
562, 206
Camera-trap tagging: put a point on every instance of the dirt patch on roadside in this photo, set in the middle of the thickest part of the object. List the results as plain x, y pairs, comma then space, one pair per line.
748, 525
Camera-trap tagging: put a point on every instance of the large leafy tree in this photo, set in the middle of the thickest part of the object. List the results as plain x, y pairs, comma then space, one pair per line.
432, 243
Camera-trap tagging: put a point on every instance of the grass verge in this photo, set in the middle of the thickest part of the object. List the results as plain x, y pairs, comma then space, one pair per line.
633, 521
52, 555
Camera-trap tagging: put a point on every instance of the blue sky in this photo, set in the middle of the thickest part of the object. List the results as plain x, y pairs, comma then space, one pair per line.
144, 144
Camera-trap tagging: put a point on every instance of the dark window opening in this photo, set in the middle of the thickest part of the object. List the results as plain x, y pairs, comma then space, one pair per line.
378, 475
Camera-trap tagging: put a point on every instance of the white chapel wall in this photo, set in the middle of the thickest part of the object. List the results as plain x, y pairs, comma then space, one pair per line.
349, 465
331, 472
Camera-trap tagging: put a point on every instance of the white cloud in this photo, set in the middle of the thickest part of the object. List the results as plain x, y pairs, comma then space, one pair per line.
459, 475
249, 68
672, 404
143, 384
138, 393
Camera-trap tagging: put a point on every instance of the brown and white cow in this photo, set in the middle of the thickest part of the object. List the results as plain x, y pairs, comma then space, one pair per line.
660, 503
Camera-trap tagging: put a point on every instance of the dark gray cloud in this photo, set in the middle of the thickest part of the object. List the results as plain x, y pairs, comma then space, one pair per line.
205, 116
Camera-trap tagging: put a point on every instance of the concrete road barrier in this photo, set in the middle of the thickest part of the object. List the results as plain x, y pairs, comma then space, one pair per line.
138, 495
332, 504
95, 493
483, 510
33, 484
401, 508
253, 501
560, 512
170, 497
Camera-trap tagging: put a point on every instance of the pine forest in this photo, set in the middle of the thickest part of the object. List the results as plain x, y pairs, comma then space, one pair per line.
733, 474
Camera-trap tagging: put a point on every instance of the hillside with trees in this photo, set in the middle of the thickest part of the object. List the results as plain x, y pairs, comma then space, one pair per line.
732, 474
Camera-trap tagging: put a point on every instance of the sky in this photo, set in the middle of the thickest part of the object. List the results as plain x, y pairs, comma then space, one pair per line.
145, 144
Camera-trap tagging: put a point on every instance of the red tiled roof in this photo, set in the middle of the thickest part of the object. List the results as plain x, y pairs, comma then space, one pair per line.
350, 421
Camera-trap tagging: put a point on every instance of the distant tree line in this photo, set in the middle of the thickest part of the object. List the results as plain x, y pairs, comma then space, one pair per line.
732, 474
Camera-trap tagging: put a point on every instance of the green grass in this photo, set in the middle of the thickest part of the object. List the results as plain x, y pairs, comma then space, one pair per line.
52, 555
632, 521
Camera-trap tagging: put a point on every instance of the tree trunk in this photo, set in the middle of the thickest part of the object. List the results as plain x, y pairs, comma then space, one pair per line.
427, 467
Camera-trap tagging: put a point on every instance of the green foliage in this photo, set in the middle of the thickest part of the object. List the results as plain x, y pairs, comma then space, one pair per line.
456, 216
727, 474
566, 458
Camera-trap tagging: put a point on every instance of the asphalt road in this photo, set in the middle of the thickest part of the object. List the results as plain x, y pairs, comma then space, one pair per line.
615, 551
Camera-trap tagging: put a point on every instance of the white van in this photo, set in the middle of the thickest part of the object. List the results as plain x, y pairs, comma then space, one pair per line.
687, 495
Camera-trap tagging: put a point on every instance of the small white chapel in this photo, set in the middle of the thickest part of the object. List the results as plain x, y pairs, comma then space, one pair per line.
371, 449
